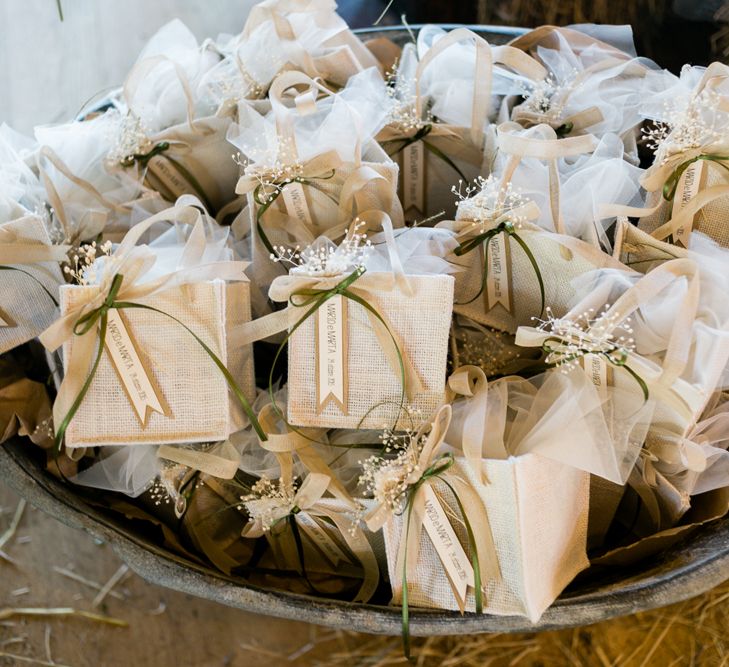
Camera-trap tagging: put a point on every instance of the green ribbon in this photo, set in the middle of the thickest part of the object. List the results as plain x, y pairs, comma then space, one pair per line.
313, 299
564, 129
161, 148
671, 184
100, 316
30, 275
507, 228
436, 470
619, 362
266, 199
420, 136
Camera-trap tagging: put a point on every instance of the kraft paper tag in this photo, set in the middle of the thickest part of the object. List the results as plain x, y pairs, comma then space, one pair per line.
319, 536
498, 280
600, 373
331, 354
455, 561
168, 177
134, 377
689, 185
413, 172
295, 201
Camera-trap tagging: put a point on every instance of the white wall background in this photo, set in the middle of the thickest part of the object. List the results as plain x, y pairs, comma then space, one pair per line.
49, 69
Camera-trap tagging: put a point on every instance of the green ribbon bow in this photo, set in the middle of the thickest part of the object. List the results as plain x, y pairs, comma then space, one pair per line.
30, 275
564, 129
266, 199
436, 470
313, 299
508, 229
100, 316
420, 136
619, 362
161, 148
671, 184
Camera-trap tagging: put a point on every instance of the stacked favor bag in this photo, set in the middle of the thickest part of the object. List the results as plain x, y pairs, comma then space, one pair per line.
371, 322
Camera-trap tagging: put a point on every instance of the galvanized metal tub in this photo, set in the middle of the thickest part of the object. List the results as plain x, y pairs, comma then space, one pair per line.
683, 571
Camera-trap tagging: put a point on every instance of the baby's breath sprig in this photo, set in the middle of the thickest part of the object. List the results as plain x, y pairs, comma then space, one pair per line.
571, 339
324, 258
688, 122
486, 199
548, 97
403, 103
269, 501
132, 139
81, 268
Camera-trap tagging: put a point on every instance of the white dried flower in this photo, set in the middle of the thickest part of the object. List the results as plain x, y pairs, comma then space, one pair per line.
269, 501
607, 334
486, 199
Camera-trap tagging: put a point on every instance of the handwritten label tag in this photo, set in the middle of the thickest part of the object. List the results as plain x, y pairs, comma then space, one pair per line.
130, 368
319, 536
689, 184
413, 177
168, 177
600, 374
498, 280
295, 201
455, 561
331, 353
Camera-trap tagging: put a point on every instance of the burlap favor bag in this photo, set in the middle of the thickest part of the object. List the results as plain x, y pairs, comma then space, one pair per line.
436, 141
512, 269
370, 346
164, 373
191, 157
29, 278
527, 517
312, 168
689, 179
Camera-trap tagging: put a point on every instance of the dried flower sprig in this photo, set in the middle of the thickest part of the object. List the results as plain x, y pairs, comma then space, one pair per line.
486, 199
548, 97
324, 258
269, 501
82, 268
402, 112
132, 139
688, 122
571, 339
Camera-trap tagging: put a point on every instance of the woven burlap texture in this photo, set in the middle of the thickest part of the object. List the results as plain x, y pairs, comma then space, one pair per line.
189, 384
537, 509
710, 220
421, 324
22, 300
557, 265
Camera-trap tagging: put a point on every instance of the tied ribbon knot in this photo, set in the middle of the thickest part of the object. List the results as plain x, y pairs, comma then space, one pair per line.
99, 315
671, 184
160, 149
437, 467
266, 188
420, 135
313, 298
507, 228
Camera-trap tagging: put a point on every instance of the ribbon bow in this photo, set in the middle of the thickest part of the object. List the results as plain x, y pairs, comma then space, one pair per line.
433, 465
307, 511
507, 228
121, 288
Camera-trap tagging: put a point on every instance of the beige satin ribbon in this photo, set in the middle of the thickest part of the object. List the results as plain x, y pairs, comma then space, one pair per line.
17, 249
410, 537
664, 380
221, 460
133, 263
47, 153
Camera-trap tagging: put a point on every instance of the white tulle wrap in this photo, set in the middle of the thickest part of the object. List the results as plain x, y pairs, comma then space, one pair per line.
570, 179
592, 86
286, 34
513, 416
